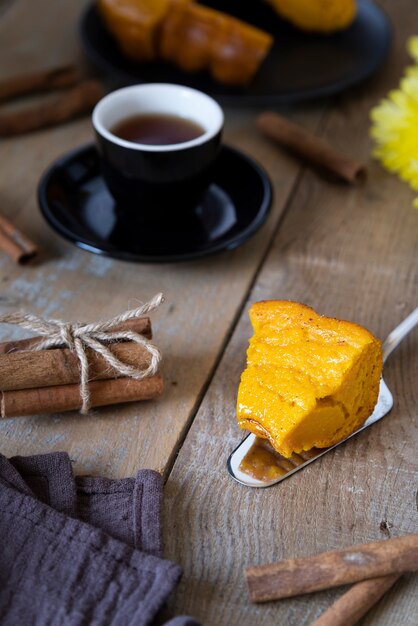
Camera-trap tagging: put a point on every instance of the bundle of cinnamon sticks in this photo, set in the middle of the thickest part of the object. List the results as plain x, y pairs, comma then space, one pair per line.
373, 567
75, 96
48, 381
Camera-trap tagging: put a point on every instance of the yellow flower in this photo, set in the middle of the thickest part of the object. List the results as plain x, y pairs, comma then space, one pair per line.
412, 46
395, 125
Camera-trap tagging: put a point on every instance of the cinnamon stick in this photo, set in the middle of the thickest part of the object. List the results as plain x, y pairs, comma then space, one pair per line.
356, 602
41, 80
141, 325
331, 569
67, 397
66, 106
311, 148
47, 368
15, 243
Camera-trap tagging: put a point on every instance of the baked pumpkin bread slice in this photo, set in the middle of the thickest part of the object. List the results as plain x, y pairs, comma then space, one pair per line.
192, 37
197, 38
310, 380
135, 24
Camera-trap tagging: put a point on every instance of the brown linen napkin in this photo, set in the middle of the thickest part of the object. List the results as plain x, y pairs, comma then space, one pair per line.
58, 570
128, 509
55, 569
49, 478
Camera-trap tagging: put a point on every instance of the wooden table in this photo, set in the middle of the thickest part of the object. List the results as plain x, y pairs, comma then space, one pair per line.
349, 253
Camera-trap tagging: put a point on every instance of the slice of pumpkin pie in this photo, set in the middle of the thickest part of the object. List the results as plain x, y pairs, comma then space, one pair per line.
310, 380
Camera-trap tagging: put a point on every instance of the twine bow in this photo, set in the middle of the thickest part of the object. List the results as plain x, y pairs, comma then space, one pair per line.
78, 337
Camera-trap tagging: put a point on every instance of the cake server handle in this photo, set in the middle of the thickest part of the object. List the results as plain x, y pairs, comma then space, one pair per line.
398, 334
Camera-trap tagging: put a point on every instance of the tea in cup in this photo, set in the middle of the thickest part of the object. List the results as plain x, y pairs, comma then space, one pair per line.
157, 144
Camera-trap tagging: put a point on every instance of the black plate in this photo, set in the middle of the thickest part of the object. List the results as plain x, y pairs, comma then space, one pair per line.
76, 203
300, 66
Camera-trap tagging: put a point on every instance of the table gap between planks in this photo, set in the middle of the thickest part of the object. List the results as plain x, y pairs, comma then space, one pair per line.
349, 253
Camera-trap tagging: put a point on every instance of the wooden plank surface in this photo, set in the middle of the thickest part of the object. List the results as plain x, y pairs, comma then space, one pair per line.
350, 254
203, 297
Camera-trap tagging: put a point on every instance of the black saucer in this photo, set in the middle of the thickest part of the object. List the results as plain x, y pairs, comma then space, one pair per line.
76, 203
300, 66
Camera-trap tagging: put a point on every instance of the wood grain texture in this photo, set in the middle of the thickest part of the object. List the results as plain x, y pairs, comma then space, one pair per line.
203, 298
350, 254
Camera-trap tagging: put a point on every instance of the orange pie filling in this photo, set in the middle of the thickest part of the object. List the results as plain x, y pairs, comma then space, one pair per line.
310, 380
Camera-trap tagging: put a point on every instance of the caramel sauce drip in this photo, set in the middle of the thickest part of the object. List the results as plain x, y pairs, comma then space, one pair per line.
263, 463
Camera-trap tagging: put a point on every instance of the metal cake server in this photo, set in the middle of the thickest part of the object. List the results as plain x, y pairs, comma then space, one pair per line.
287, 467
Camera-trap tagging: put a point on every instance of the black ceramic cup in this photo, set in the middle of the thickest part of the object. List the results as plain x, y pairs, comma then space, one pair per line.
157, 181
